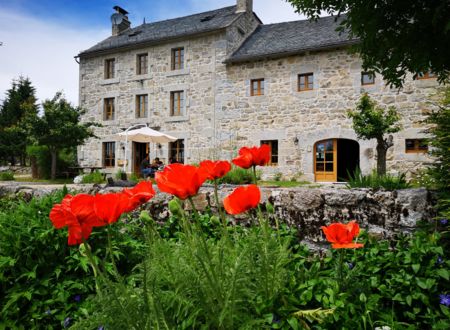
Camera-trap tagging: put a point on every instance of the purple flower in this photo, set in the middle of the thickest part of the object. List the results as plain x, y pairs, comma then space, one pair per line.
101, 327
444, 299
350, 265
439, 261
77, 298
443, 221
67, 321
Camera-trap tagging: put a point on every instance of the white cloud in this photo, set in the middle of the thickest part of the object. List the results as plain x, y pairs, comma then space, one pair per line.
44, 52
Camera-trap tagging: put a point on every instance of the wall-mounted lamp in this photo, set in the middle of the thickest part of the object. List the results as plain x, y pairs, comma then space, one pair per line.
296, 141
159, 146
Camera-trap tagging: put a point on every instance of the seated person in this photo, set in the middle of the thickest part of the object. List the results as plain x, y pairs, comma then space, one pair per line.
156, 166
146, 169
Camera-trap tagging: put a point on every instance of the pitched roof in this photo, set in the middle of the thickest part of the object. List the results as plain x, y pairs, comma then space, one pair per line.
283, 39
157, 32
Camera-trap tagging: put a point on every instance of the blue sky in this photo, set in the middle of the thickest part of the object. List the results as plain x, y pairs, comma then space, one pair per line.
41, 37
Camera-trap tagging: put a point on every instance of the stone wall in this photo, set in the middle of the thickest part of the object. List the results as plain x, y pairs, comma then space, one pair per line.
382, 213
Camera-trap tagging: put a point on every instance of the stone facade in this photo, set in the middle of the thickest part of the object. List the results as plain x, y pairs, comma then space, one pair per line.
219, 115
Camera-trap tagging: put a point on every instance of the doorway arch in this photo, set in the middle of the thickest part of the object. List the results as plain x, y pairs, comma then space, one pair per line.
334, 159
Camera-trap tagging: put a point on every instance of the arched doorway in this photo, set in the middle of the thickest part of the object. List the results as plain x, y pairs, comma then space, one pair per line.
334, 159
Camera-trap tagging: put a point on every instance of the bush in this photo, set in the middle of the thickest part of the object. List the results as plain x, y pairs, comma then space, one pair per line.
66, 158
375, 181
6, 176
95, 177
238, 175
42, 280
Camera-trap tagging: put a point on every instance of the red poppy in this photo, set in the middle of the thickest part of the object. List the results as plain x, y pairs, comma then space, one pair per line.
215, 169
242, 199
180, 180
109, 207
77, 215
341, 235
139, 194
253, 156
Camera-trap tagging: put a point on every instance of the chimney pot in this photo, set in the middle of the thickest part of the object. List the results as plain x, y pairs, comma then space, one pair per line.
119, 20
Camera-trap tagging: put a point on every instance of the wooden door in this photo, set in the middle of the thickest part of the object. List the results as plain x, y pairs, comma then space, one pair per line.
325, 160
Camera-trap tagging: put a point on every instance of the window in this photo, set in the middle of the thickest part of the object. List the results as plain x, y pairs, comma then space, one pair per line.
177, 59
142, 64
305, 82
176, 103
108, 109
141, 106
109, 68
273, 144
256, 87
416, 146
176, 151
109, 154
426, 75
367, 78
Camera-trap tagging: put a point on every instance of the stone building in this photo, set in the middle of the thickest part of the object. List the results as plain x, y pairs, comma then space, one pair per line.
221, 79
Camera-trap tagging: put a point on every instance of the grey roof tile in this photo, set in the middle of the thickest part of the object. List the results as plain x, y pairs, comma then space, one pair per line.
168, 29
281, 39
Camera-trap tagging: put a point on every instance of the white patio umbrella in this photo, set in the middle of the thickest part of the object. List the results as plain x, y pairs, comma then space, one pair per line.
143, 135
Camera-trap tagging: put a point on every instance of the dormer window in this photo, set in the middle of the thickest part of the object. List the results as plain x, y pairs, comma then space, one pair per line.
109, 68
367, 78
177, 58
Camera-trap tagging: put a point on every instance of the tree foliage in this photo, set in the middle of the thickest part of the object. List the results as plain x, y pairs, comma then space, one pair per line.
373, 122
18, 108
396, 36
60, 127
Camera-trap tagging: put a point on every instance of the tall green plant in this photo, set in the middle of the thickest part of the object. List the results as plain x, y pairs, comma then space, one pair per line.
373, 122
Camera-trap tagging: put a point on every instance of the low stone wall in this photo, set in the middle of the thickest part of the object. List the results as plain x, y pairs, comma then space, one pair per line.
382, 213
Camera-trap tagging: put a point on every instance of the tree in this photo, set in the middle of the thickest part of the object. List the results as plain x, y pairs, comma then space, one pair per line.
372, 122
17, 109
396, 36
60, 127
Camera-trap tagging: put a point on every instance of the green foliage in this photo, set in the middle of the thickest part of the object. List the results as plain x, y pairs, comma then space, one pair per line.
65, 158
95, 177
440, 141
60, 127
18, 108
40, 276
278, 176
372, 122
120, 174
375, 181
394, 38
238, 175
6, 176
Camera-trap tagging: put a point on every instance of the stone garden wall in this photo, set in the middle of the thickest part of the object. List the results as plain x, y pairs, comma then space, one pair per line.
382, 213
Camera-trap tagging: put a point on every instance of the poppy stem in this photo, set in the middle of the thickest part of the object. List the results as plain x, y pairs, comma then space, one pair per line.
111, 254
255, 178
219, 208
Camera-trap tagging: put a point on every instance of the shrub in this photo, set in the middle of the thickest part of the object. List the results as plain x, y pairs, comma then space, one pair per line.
6, 176
95, 177
375, 181
238, 175
42, 280
66, 158
278, 176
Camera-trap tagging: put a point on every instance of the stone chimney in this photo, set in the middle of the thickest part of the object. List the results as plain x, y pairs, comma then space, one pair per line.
243, 6
119, 21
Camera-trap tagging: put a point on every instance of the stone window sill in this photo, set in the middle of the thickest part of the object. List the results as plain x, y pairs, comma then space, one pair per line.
141, 77
177, 73
176, 118
109, 81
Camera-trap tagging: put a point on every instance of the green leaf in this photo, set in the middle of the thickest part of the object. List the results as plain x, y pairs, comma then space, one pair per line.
397, 297
415, 268
293, 322
362, 297
421, 283
443, 273
409, 300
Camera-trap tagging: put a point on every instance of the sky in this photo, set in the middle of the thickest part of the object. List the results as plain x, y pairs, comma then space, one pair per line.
41, 37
